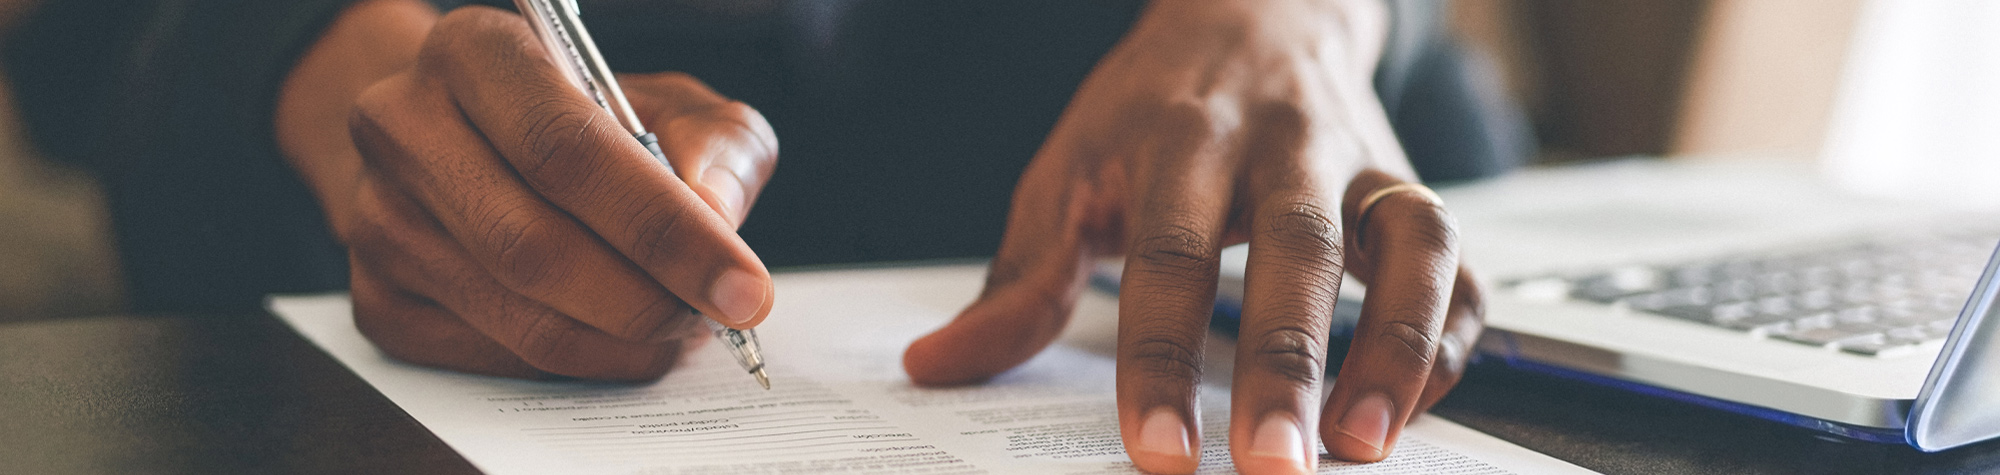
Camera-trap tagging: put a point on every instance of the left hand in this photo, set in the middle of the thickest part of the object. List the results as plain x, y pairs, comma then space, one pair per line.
1217, 122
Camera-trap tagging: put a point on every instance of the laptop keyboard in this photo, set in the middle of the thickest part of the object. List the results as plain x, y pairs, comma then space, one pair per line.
1876, 299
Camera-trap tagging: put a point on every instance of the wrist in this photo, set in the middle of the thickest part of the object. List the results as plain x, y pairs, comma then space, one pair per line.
1347, 35
369, 41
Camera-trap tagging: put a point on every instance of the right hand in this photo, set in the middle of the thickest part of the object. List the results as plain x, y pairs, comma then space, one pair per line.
502, 223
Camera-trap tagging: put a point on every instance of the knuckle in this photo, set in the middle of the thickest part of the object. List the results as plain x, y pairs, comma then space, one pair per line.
526, 256
669, 83
381, 324
366, 232
1305, 230
1176, 117
1176, 249
470, 18
1180, 127
549, 344
735, 111
1293, 353
649, 364
365, 235
449, 38
656, 232
1451, 358
1281, 120
366, 122
654, 368
753, 124
1169, 357
467, 30
386, 120
678, 78
1411, 348
1467, 298
1422, 223
373, 320
660, 318
555, 132
374, 101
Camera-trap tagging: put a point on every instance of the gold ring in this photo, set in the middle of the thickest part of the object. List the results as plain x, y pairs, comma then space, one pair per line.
1368, 202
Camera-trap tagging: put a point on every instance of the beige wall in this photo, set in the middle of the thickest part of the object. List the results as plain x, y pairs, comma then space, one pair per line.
1714, 78
1763, 78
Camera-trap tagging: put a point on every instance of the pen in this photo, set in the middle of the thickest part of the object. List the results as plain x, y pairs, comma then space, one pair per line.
556, 23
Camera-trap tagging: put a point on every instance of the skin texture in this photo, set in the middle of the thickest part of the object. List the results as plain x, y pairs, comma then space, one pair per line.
500, 223
433, 144
1214, 123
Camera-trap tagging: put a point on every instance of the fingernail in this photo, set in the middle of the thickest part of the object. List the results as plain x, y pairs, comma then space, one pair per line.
1164, 434
727, 189
738, 295
1368, 421
1277, 440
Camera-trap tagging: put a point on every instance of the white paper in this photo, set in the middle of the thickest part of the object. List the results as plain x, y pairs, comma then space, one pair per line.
839, 402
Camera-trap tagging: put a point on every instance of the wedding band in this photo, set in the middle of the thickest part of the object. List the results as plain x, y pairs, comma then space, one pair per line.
1368, 202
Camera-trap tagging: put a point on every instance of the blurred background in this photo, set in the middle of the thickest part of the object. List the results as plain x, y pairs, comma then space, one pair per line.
1850, 84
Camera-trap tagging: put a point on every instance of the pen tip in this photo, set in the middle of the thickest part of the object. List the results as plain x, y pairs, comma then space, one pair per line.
762, 379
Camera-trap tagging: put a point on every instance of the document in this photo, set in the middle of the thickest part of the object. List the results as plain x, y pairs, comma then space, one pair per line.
838, 403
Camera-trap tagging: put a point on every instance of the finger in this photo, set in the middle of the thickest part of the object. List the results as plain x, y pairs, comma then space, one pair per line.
1408, 248
526, 244
574, 154
1031, 286
409, 251
1292, 281
1463, 322
1179, 204
413, 329
724, 149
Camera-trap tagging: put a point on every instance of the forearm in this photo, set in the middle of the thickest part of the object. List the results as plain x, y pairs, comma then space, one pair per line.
371, 40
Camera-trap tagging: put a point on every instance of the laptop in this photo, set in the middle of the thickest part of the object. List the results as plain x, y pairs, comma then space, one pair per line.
1746, 287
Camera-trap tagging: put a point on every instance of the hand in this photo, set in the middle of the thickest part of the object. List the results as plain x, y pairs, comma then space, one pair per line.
499, 222
1218, 122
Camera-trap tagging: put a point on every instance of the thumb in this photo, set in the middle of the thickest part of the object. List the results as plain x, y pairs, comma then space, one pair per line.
726, 154
723, 149
1031, 287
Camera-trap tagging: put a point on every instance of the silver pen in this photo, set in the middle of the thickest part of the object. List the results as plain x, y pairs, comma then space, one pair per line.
556, 23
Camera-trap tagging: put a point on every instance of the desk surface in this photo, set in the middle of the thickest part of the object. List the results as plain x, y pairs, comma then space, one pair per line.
223, 394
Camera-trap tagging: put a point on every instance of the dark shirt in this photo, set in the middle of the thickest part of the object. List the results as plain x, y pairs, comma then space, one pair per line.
903, 124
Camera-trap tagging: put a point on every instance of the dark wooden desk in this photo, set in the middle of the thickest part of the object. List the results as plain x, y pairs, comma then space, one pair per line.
244, 394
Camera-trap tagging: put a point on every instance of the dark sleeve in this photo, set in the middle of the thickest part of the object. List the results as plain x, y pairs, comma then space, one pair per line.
1445, 101
170, 103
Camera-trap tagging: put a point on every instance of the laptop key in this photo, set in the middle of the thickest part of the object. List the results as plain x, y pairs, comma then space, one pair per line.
1915, 334
1873, 345
1816, 299
1693, 274
1739, 289
1820, 336
1779, 283
1695, 313
1760, 325
1620, 283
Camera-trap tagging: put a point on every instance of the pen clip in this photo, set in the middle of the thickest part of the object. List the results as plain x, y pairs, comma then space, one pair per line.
561, 31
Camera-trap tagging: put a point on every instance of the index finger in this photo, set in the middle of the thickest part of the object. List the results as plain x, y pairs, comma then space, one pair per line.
1404, 245
575, 154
